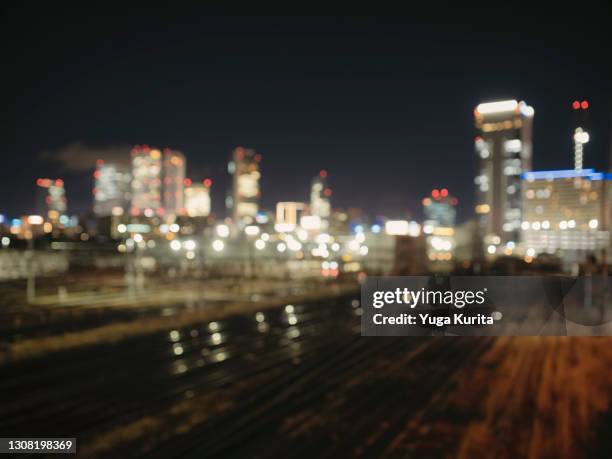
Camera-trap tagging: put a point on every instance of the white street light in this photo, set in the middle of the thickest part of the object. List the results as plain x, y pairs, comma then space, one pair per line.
259, 244
251, 230
189, 245
223, 231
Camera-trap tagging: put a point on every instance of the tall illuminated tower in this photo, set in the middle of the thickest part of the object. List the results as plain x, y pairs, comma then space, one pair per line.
50, 198
112, 188
146, 181
440, 209
173, 201
320, 194
581, 136
244, 200
197, 198
504, 149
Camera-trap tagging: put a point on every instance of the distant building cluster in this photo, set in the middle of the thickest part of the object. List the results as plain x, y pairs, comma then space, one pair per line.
562, 213
518, 213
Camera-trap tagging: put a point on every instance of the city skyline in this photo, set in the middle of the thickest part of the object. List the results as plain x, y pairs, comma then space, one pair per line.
367, 117
241, 231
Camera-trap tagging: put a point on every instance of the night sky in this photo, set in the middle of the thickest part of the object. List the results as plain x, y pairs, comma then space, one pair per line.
384, 101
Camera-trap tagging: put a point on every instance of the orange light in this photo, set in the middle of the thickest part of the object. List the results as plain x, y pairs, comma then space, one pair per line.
584, 105
575, 105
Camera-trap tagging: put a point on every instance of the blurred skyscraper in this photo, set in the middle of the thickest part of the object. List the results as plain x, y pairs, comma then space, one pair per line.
51, 200
440, 208
173, 201
243, 204
146, 181
439, 225
197, 198
320, 194
288, 215
504, 149
112, 188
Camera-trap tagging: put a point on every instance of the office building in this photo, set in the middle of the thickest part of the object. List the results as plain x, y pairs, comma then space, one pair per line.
320, 195
288, 216
173, 171
146, 181
440, 208
439, 225
112, 189
243, 204
197, 198
51, 200
504, 150
565, 213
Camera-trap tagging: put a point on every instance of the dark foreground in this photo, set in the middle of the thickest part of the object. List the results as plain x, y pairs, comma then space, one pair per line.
299, 381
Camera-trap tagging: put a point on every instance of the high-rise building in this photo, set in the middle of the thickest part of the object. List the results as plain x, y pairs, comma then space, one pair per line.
504, 149
112, 189
320, 194
146, 181
439, 225
173, 172
197, 198
288, 215
51, 200
565, 213
244, 201
440, 208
